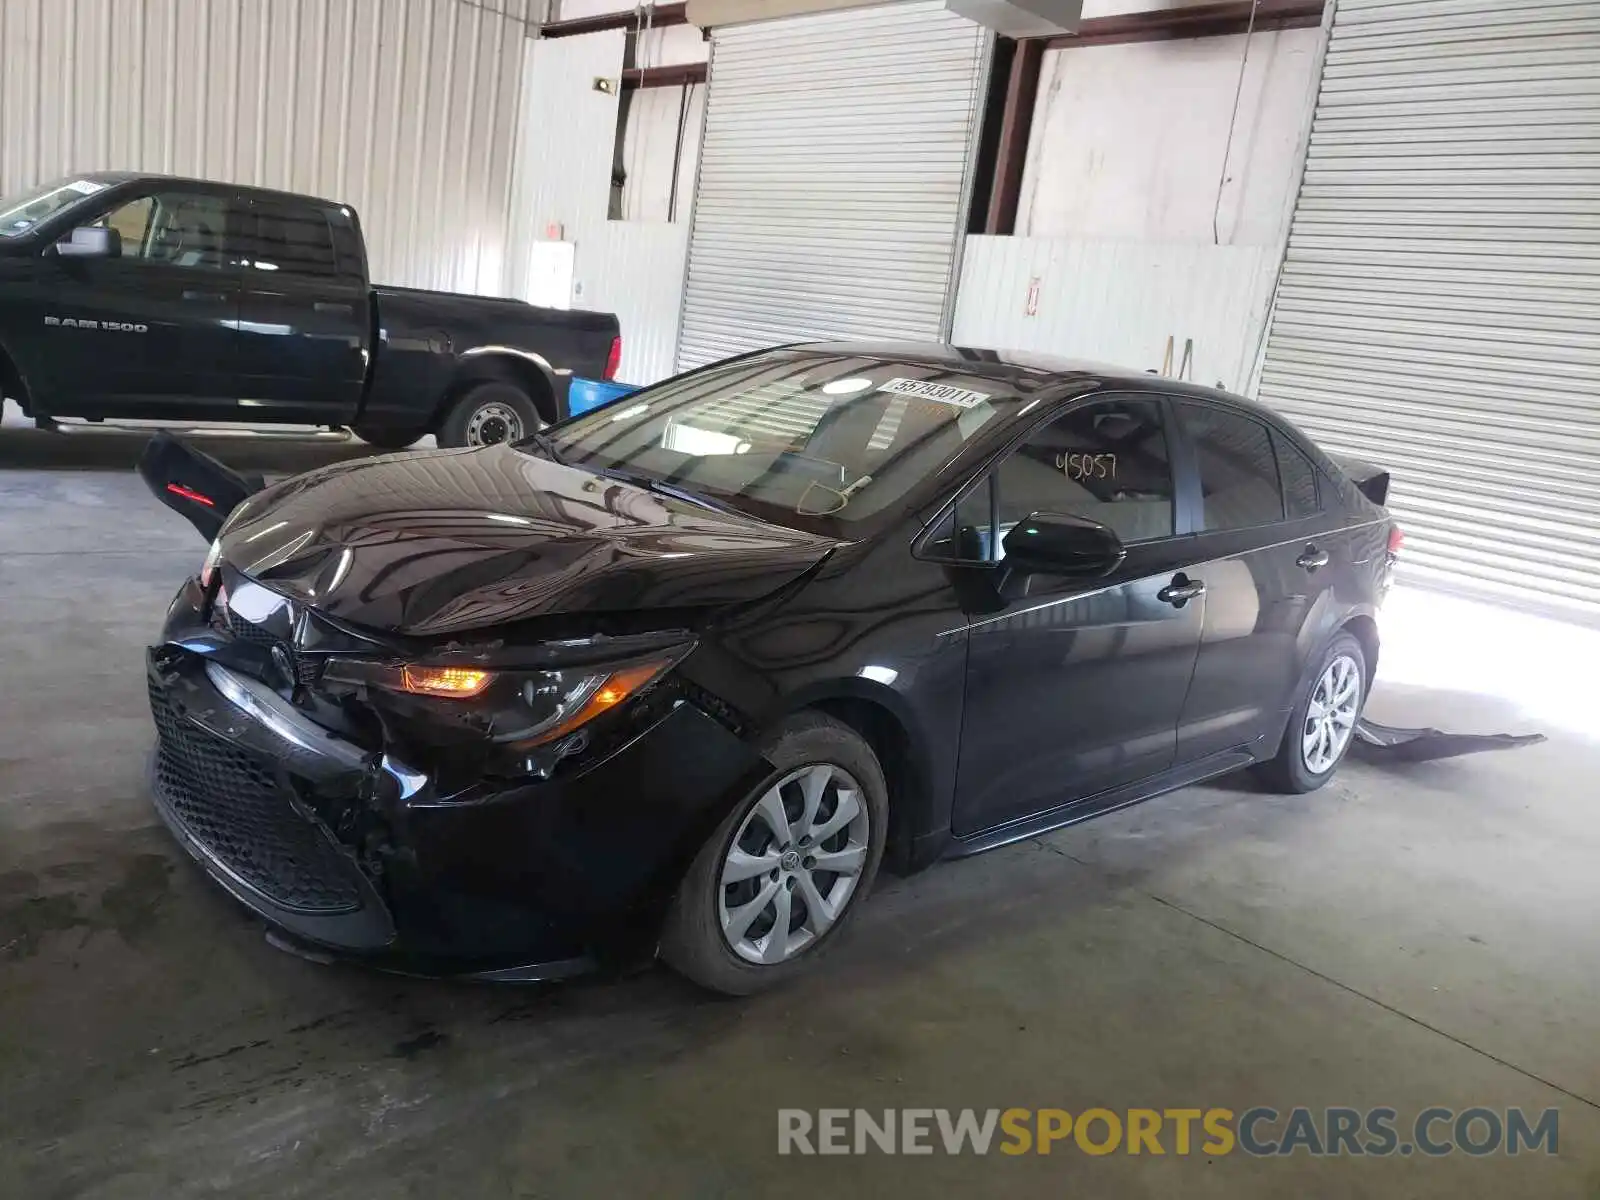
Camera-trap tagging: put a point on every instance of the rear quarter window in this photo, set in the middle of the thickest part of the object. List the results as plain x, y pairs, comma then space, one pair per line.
1299, 476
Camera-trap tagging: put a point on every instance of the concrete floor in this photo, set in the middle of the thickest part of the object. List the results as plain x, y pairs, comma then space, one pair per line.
1406, 937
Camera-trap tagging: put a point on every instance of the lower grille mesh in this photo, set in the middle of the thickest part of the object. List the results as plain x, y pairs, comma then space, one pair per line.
232, 805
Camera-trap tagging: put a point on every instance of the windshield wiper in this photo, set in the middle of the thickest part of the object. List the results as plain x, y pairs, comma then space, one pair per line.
661, 488
543, 440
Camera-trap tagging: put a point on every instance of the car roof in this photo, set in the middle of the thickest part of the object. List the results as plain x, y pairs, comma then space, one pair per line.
1030, 371
112, 178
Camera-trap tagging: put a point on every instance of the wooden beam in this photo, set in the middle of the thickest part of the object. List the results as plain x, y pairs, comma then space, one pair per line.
661, 17
1022, 92
676, 75
1195, 21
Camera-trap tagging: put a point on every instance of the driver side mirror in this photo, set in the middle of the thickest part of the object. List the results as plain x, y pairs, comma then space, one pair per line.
91, 241
1058, 544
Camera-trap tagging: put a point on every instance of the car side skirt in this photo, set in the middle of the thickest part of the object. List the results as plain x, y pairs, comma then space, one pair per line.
1063, 815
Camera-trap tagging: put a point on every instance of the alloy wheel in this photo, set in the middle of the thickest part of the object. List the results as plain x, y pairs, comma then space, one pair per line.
793, 864
493, 423
1331, 715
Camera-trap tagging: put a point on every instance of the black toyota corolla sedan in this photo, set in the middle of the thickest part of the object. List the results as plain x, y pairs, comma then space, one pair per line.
679, 674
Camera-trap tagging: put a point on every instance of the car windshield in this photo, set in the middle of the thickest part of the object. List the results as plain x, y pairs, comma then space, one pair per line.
818, 441
20, 213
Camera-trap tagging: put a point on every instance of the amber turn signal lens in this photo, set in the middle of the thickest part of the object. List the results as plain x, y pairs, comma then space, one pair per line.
458, 682
618, 686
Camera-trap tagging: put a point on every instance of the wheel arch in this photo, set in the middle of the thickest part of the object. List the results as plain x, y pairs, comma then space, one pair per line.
1363, 626
880, 717
482, 364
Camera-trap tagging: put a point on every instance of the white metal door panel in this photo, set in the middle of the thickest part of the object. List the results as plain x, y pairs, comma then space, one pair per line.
566, 139
1439, 309
833, 178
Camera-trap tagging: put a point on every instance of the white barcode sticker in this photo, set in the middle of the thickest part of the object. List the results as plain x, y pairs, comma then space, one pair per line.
85, 187
942, 393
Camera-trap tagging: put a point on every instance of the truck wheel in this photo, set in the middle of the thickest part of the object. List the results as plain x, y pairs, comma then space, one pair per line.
489, 413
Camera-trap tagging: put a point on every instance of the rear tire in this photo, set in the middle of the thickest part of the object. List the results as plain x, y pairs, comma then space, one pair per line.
704, 938
488, 413
1307, 759
389, 439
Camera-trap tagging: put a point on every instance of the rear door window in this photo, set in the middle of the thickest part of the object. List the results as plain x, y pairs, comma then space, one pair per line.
1239, 486
291, 239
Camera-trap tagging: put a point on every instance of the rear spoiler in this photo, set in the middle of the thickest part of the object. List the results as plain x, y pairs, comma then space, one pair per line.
1372, 482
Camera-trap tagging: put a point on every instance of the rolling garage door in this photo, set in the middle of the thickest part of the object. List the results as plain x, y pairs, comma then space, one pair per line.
1439, 309
833, 178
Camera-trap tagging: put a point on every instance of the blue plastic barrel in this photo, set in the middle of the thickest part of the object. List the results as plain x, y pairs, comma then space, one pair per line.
587, 394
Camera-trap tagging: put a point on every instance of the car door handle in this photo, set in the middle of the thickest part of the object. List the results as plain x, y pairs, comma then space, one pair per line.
212, 297
329, 306
1180, 591
1312, 558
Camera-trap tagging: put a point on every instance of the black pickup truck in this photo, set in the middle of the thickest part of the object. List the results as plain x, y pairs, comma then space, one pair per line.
146, 296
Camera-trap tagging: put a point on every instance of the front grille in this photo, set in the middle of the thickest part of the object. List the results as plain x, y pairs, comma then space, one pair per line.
232, 805
306, 667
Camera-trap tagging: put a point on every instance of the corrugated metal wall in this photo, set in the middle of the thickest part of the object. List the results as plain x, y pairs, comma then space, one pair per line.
1439, 312
835, 165
405, 109
1118, 302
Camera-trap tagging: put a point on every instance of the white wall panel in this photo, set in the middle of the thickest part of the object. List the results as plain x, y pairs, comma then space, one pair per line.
656, 138
404, 109
565, 146
1128, 141
1117, 302
652, 136
635, 269
566, 139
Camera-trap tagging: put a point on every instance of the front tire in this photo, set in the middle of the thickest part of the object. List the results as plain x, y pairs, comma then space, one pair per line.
1322, 726
489, 413
788, 868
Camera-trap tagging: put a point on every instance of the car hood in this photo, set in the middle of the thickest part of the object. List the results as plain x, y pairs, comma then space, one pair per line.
443, 542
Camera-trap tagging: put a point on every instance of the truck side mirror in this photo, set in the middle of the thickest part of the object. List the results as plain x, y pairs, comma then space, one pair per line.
91, 241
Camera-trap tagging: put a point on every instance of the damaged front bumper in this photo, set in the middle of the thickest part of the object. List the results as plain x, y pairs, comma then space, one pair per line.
353, 849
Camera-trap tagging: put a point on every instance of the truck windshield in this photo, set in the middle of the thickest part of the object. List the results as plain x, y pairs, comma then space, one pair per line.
815, 440
20, 213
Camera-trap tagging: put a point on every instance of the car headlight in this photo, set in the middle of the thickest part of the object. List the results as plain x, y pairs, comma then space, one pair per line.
522, 708
209, 567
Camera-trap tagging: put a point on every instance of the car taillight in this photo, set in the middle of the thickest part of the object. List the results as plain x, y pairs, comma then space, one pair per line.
1397, 538
614, 359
